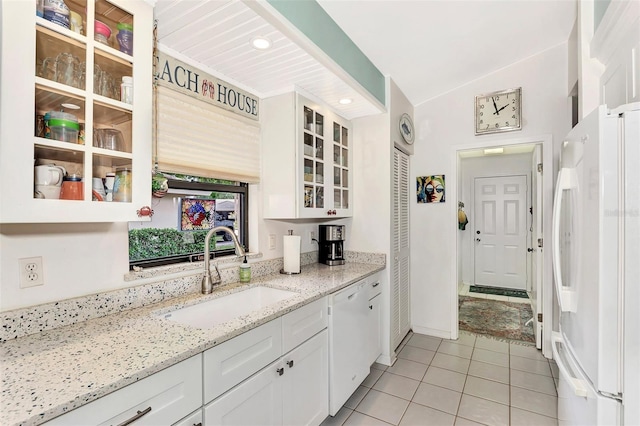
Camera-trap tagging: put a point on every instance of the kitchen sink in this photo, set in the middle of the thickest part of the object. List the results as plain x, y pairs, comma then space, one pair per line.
217, 311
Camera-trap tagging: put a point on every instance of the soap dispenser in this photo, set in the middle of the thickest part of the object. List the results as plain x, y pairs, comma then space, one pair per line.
245, 271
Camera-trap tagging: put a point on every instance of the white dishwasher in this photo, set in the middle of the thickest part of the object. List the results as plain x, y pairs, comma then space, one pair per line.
348, 342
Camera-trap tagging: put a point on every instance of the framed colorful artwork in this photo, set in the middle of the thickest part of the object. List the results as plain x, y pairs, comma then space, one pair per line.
197, 214
430, 189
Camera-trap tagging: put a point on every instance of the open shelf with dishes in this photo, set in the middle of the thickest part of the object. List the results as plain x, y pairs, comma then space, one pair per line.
78, 120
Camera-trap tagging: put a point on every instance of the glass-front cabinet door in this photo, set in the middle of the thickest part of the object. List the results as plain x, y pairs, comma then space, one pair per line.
76, 111
313, 159
341, 167
325, 160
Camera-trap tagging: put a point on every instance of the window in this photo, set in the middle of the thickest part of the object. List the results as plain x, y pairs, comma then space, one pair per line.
183, 217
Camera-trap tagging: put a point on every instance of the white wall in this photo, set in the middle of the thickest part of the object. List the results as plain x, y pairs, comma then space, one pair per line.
78, 259
471, 168
447, 121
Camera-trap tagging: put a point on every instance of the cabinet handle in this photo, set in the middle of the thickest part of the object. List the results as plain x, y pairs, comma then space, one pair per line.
290, 363
375, 285
199, 424
145, 211
371, 307
136, 417
280, 371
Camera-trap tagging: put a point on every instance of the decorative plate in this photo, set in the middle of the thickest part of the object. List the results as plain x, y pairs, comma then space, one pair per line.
406, 128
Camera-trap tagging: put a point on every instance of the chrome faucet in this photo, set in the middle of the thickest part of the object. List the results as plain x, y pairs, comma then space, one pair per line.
207, 282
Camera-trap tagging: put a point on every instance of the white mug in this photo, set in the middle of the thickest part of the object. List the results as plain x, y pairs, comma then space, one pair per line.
49, 174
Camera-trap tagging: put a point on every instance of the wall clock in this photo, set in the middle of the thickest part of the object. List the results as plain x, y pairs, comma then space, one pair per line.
406, 128
498, 111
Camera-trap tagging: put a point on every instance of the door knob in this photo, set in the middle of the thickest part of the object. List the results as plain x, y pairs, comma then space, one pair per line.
280, 371
478, 232
529, 250
290, 363
478, 239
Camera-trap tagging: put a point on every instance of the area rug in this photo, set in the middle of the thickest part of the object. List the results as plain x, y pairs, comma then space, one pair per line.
505, 320
499, 291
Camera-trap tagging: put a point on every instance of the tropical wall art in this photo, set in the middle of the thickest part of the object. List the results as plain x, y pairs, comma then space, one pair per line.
430, 189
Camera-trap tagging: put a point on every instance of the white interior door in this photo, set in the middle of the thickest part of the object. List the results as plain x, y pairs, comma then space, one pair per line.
501, 232
400, 315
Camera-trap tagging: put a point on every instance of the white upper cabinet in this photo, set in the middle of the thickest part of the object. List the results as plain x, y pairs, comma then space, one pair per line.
49, 68
306, 166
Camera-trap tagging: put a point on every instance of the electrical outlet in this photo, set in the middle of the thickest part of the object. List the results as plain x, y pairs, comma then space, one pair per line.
272, 241
31, 272
312, 236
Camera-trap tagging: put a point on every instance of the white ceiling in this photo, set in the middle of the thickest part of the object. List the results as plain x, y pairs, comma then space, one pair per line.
217, 34
428, 47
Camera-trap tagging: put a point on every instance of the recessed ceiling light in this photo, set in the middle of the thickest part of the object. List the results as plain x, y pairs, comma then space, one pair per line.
345, 101
493, 151
261, 43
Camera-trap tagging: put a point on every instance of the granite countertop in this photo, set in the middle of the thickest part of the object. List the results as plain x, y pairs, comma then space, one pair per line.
50, 373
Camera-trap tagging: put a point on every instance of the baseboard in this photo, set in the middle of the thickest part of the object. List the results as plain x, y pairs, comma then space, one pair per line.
386, 360
432, 332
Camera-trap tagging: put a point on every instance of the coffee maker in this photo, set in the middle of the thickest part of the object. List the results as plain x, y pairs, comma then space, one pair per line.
330, 242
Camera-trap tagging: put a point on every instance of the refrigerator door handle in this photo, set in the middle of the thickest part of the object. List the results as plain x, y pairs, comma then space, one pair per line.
566, 297
579, 387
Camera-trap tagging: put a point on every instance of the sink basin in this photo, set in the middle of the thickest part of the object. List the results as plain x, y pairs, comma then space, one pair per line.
225, 308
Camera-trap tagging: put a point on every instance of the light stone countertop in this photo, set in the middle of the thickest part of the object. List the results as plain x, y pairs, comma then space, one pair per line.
50, 373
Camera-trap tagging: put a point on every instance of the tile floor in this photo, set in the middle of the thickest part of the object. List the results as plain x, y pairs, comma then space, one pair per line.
473, 380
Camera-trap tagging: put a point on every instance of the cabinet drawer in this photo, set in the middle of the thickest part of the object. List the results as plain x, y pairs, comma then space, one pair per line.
233, 361
375, 288
303, 323
166, 396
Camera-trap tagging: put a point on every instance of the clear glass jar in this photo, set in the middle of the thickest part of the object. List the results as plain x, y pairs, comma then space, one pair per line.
122, 185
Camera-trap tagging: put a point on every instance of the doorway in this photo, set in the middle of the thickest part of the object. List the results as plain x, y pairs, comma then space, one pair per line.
496, 252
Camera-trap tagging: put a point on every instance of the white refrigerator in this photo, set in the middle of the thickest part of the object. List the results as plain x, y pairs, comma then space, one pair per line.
596, 260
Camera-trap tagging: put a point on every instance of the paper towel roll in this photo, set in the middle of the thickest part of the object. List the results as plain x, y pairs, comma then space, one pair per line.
291, 246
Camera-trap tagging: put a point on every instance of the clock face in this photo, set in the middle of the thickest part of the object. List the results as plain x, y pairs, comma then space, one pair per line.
498, 112
406, 128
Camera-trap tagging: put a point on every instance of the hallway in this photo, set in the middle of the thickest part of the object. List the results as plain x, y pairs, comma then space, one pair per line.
471, 381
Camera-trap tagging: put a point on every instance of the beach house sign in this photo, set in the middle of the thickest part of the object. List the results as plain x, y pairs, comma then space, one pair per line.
184, 78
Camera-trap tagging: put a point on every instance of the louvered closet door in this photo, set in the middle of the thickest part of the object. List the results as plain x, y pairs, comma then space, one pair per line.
400, 324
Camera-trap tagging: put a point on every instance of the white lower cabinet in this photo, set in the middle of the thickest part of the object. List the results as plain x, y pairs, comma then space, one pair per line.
256, 401
163, 398
231, 362
293, 390
305, 388
375, 319
375, 323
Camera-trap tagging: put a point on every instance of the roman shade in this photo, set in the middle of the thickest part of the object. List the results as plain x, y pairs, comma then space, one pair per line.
197, 138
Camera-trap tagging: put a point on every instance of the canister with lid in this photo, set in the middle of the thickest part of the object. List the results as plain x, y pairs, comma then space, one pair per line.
126, 89
56, 11
122, 185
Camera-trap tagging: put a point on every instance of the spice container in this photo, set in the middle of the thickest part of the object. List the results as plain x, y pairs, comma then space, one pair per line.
126, 89
122, 185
